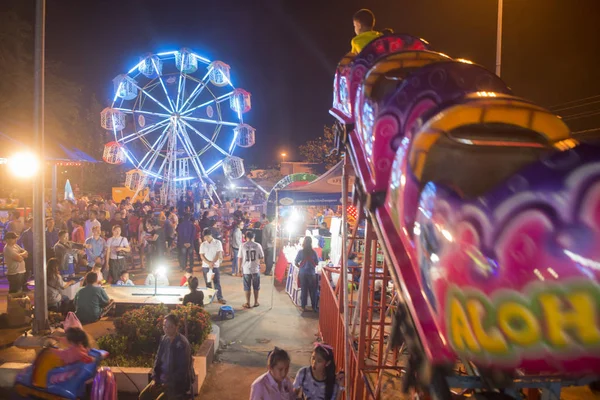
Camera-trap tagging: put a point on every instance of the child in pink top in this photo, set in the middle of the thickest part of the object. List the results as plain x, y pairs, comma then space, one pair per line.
274, 384
79, 346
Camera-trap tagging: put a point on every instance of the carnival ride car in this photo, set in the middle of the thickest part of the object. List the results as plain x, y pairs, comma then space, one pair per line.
49, 378
487, 208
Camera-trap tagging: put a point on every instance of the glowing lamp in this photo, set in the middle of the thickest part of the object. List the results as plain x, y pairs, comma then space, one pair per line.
23, 165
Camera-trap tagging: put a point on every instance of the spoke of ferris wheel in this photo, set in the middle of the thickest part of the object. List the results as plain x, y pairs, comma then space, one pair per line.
178, 91
232, 145
202, 59
155, 145
209, 121
136, 67
189, 150
156, 155
196, 92
130, 111
114, 126
214, 167
162, 83
130, 157
193, 155
216, 100
213, 144
136, 135
156, 101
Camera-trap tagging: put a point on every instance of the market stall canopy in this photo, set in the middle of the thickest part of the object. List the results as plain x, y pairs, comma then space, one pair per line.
55, 152
326, 190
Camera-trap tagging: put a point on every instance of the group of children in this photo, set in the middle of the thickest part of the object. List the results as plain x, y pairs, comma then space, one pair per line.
123, 277
315, 382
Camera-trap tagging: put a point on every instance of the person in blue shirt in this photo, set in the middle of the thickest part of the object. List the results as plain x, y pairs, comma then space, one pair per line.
353, 263
51, 237
307, 260
124, 280
95, 248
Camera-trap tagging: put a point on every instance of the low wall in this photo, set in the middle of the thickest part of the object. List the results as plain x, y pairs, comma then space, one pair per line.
133, 380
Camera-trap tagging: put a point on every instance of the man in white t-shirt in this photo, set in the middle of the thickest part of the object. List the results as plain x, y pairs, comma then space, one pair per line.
249, 257
91, 223
211, 252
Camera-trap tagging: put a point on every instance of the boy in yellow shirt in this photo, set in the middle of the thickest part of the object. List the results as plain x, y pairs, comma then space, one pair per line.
364, 22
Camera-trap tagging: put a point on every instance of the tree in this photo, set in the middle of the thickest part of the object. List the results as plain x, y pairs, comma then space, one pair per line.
322, 149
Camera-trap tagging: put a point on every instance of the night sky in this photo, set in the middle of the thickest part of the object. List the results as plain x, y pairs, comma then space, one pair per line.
284, 52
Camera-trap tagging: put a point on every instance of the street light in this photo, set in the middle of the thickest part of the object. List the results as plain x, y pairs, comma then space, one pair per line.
499, 38
24, 165
283, 155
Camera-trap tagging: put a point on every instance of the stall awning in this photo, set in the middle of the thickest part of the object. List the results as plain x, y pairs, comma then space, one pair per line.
55, 152
326, 190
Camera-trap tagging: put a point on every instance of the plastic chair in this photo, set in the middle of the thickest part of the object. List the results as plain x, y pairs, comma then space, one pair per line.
226, 311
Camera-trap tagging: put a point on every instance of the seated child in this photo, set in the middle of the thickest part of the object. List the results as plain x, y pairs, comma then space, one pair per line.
97, 268
364, 23
79, 346
186, 277
124, 280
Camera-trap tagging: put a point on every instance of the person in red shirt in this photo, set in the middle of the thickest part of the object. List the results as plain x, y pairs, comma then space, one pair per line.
78, 235
186, 277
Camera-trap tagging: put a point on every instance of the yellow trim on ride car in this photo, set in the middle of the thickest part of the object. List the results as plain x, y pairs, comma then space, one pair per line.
404, 59
488, 107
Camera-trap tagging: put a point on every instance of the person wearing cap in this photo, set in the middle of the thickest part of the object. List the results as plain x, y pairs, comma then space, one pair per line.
211, 252
14, 258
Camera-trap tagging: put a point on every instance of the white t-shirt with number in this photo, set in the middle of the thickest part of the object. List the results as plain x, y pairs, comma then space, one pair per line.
251, 253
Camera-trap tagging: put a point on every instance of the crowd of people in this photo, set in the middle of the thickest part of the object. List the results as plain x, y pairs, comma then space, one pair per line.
109, 239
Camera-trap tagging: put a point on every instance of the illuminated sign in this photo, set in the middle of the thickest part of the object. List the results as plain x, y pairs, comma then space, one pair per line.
562, 318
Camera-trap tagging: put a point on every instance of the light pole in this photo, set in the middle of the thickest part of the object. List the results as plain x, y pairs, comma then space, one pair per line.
283, 155
40, 321
499, 38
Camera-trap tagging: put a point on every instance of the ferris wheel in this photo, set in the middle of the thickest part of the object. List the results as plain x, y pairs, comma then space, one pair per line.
177, 118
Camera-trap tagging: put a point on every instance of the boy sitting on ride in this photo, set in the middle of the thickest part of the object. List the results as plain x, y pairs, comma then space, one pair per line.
364, 23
